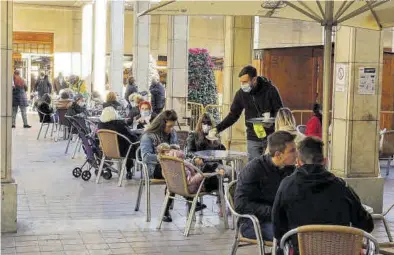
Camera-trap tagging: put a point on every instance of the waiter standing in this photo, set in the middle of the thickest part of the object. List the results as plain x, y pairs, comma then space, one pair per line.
258, 96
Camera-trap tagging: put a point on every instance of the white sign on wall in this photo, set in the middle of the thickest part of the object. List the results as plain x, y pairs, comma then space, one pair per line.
367, 83
341, 76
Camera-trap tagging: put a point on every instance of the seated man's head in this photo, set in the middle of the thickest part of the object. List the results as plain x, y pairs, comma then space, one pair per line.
64, 94
310, 151
282, 148
108, 114
46, 98
111, 97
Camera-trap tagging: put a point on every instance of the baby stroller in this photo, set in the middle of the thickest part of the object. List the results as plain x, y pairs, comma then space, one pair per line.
90, 146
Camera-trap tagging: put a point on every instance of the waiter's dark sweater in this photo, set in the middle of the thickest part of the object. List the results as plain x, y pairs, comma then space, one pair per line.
262, 98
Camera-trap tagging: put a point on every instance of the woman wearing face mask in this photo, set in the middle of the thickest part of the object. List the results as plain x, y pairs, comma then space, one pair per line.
145, 117
133, 109
197, 140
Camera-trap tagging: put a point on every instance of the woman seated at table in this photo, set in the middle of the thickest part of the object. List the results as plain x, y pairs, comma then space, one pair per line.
77, 107
145, 117
133, 108
161, 130
45, 109
111, 101
197, 140
65, 101
109, 119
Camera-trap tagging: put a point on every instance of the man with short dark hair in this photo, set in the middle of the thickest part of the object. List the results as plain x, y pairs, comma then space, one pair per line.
258, 96
259, 180
312, 195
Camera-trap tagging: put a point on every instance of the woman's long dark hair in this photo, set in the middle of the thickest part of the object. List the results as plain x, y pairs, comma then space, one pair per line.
158, 124
316, 111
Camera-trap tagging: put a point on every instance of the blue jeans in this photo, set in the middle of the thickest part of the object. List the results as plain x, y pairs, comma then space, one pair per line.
267, 231
256, 148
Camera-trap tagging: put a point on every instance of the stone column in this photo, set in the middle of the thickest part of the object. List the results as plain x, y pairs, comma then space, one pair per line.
100, 33
238, 50
356, 107
177, 64
141, 46
8, 184
87, 45
117, 46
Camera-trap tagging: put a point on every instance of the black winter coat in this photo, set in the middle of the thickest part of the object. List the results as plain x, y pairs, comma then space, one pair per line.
19, 96
257, 185
312, 195
262, 98
195, 142
158, 99
75, 109
121, 127
114, 104
44, 110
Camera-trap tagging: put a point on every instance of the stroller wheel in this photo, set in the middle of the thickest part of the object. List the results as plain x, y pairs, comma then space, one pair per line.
86, 175
107, 175
77, 172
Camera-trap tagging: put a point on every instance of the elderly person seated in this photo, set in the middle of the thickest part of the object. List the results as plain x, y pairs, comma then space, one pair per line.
77, 107
313, 195
111, 101
145, 117
161, 130
109, 119
65, 100
133, 108
259, 181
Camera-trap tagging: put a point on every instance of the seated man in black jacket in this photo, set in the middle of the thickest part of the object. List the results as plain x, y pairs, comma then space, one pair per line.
259, 181
312, 195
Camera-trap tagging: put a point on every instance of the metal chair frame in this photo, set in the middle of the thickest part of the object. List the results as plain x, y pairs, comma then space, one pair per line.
385, 156
119, 159
332, 229
256, 225
301, 129
46, 123
195, 196
145, 181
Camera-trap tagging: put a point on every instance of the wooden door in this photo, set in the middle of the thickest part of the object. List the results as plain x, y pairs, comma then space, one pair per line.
387, 119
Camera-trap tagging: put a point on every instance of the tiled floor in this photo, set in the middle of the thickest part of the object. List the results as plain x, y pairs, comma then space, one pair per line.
59, 214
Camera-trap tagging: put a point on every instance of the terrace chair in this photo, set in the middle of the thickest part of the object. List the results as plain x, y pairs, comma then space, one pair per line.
301, 129
330, 239
173, 170
386, 148
109, 143
145, 181
239, 240
44, 122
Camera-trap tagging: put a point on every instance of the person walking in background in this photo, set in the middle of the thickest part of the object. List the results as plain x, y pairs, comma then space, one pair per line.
43, 86
19, 99
258, 96
158, 99
60, 83
131, 88
314, 124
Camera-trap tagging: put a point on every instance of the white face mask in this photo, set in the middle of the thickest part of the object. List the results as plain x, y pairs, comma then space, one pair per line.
82, 104
246, 87
206, 128
145, 113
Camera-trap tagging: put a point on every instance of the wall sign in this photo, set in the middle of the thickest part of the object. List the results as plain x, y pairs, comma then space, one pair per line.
367, 81
341, 77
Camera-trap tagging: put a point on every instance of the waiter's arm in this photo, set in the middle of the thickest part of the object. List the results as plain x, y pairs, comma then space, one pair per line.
235, 112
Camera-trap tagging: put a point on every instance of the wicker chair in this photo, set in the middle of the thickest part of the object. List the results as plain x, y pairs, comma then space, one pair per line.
239, 240
330, 240
109, 142
386, 148
145, 181
301, 129
45, 123
174, 173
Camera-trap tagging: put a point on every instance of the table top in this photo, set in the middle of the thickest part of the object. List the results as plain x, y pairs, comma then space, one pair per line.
220, 155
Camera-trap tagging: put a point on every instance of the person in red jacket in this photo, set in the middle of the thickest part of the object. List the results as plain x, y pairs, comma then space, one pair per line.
314, 125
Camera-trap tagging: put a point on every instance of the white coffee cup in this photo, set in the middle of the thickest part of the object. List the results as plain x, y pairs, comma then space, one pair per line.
266, 115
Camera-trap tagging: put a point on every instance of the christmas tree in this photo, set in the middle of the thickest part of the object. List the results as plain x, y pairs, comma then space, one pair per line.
202, 87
